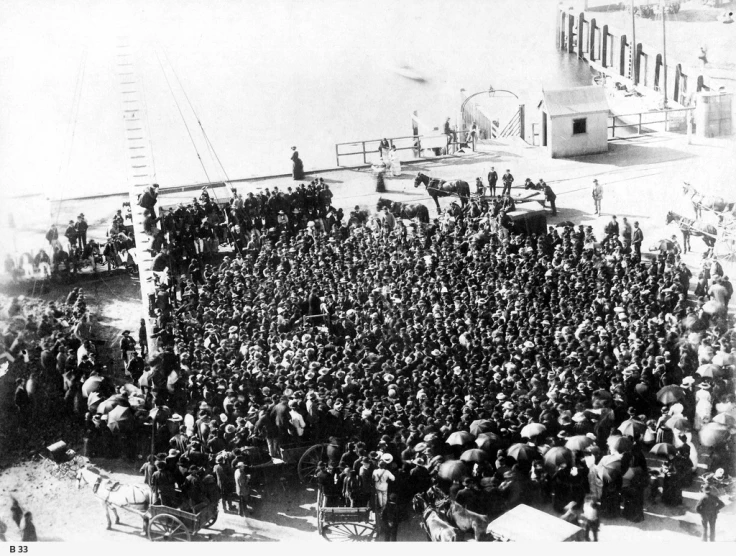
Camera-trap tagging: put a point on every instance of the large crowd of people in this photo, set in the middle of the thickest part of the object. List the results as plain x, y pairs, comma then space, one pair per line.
403, 348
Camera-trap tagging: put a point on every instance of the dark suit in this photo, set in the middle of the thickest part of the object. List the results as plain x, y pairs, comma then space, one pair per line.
492, 180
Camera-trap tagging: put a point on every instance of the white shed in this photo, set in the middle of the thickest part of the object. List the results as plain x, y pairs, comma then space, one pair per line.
575, 121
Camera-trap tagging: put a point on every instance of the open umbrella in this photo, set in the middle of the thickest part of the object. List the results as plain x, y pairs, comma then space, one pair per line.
713, 434
489, 442
523, 452
460, 438
107, 406
663, 449
609, 468
480, 426
725, 419
603, 394
555, 457
707, 370
93, 401
454, 470
663, 245
632, 427
473, 455
430, 437
579, 443
121, 418
670, 394
620, 443
678, 422
724, 359
92, 384
533, 430
565, 224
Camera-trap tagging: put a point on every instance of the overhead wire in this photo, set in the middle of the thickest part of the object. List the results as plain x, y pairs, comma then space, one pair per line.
207, 142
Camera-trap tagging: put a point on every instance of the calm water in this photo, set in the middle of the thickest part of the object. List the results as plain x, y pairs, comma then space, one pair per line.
260, 76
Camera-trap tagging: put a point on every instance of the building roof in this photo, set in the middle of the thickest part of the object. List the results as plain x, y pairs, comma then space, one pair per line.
578, 100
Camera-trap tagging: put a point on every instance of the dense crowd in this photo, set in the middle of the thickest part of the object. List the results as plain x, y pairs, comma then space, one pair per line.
548, 353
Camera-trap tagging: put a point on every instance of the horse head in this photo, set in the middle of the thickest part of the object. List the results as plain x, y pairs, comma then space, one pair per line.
88, 474
670, 217
420, 179
419, 503
382, 203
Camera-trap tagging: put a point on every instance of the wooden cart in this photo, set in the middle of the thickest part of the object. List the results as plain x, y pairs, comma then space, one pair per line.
174, 525
341, 524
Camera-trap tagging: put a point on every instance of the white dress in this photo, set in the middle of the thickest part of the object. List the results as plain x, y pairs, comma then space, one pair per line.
703, 409
395, 164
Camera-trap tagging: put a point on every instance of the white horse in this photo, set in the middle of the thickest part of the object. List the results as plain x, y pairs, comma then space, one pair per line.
136, 498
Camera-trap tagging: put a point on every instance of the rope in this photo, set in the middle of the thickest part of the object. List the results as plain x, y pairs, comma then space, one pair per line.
191, 138
73, 117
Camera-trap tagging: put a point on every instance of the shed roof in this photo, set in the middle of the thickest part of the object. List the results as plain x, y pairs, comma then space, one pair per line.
578, 100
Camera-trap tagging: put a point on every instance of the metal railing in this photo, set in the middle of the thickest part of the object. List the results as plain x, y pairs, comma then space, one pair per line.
369, 148
642, 120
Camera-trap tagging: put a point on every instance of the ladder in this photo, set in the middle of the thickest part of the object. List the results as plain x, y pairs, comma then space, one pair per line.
139, 165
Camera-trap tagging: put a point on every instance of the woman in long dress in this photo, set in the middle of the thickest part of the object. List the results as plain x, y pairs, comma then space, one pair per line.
703, 406
297, 168
395, 162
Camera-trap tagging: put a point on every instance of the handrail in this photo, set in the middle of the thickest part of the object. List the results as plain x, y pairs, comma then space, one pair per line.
361, 145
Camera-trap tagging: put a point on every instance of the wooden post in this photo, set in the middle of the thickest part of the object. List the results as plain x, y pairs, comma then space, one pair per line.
634, 73
657, 68
604, 46
581, 28
637, 64
622, 57
701, 84
522, 121
678, 81
570, 25
664, 56
560, 30
591, 46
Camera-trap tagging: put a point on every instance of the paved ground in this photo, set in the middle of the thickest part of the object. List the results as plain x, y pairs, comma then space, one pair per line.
642, 180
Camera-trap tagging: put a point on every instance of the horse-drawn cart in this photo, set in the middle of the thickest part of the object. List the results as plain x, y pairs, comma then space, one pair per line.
343, 524
171, 524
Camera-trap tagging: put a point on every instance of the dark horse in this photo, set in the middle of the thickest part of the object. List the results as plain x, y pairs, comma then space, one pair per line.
689, 227
441, 188
404, 210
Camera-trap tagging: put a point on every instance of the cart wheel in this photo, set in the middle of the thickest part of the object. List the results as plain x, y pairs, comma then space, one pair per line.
167, 528
307, 466
349, 532
212, 520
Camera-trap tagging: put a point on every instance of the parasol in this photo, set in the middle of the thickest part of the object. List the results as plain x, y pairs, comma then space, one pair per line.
480, 426
523, 452
712, 307
460, 438
609, 468
430, 437
578, 443
713, 434
555, 457
565, 224
453, 470
473, 455
120, 419
489, 442
620, 443
707, 370
670, 394
724, 359
533, 430
107, 406
678, 422
663, 449
632, 427
92, 384
93, 401
725, 419
663, 245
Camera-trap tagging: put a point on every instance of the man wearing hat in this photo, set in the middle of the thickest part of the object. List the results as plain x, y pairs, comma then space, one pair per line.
127, 344
507, 180
597, 194
242, 487
708, 507
81, 228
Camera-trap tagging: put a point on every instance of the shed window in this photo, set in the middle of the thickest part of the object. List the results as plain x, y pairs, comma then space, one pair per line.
579, 126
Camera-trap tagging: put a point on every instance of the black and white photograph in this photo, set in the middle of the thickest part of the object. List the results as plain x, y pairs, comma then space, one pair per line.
331, 271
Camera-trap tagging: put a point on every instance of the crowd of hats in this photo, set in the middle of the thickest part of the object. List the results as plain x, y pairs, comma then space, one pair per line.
440, 330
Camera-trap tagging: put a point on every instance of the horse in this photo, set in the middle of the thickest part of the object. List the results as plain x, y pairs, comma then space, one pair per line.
717, 204
441, 188
404, 210
464, 519
689, 227
111, 493
436, 528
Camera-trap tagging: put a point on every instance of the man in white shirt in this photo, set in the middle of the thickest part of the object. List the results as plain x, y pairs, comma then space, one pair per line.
296, 418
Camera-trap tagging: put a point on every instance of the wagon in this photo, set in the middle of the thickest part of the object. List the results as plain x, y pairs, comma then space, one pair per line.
174, 525
342, 524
